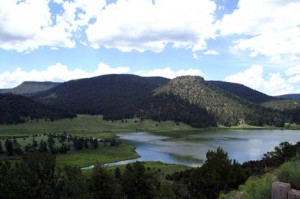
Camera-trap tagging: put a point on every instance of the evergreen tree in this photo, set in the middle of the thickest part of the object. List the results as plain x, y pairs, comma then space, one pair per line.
1, 148
43, 146
102, 183
9, 147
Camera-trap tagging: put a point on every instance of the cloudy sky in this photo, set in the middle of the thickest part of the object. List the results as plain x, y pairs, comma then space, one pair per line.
252, 42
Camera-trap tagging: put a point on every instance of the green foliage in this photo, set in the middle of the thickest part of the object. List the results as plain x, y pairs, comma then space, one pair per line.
101, 183
9, 147
184, 99
113, 96
281, 153
289, 172
1, 148
290, 107
225, 108
137, 182
75, 184
217, 174
16, 109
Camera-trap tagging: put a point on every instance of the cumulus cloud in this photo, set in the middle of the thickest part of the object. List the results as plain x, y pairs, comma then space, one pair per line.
272, 84
29, 24
294, 74
169, 73
265, 27
150, 25
57, 73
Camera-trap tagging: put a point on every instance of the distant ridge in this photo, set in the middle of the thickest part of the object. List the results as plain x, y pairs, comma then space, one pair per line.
290, 96
30, 87
242, 91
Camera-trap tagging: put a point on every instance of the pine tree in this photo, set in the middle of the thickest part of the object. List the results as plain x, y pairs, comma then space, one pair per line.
1, 148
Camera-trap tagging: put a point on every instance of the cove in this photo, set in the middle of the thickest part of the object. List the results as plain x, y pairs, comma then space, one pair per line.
190, 150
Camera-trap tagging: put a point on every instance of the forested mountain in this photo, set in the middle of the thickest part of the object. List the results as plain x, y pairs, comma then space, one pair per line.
289, 96
184, 99
114, 96
242, 91
225, 108
17, 109
287, 106
30, 87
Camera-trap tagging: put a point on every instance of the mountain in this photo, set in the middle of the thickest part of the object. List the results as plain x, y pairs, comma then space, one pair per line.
225, 108
242, 91
114, 96
289, 96
4, 90
30, 87
186, 99
17, 109
287, 106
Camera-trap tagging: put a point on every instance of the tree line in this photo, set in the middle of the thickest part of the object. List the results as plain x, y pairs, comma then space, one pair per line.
55, 143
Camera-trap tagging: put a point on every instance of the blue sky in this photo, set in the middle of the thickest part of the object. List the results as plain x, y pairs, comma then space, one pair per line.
252, 42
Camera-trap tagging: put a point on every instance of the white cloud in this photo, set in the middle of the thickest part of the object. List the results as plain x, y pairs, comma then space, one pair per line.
57, 72
29, 24
169, 73
266, 27
150, 25
272, 84
211, 52
294, 74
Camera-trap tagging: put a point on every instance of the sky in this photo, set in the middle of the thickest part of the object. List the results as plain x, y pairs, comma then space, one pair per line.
251, 42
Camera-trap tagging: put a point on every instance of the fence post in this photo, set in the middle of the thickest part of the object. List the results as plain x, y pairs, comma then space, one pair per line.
280, 190
294, 194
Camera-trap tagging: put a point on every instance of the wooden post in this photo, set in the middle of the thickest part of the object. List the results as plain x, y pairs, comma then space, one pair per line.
294, 194
280, 190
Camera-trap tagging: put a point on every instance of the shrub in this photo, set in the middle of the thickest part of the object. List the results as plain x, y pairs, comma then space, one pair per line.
254, 188
290, 173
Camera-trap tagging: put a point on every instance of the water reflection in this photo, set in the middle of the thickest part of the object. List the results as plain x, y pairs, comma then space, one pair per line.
242, 145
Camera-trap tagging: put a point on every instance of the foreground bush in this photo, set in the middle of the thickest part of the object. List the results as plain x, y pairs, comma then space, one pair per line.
254, 188
290, 173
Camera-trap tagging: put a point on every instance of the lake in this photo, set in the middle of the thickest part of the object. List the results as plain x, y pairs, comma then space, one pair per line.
191, 148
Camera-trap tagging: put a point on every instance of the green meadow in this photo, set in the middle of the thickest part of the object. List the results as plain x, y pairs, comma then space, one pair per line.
90, 126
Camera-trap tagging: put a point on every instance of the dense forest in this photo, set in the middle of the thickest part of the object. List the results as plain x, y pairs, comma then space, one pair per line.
38, 176
188, 99
17, 109
242, 91
226, 109
114, 96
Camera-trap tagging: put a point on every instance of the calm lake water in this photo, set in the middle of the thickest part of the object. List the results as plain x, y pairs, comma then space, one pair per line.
242, 145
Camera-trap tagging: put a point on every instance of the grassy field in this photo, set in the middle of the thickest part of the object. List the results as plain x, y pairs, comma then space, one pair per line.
90, 125
102, 155
157, 167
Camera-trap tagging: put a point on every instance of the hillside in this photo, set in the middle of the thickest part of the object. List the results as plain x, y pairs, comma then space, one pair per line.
225, 108
242, 91
31, 87
114, 96
287, 106
188, 99
17, 109
289, 96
